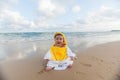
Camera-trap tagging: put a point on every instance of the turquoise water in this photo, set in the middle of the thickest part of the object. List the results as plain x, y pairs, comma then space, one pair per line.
33, 36
83, 39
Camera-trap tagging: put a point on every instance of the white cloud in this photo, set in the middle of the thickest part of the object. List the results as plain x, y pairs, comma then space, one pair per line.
104, 18
50, 9
76, 9
13, 20
10, 20
106, 13
41, 22
6, 4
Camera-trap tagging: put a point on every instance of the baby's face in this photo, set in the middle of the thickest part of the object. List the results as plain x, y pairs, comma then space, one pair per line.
59, 40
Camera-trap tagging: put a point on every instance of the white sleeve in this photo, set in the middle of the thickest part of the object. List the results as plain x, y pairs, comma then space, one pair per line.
70, 53
48, 55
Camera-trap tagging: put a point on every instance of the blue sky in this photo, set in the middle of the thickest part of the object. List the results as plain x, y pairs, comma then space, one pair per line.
59, 15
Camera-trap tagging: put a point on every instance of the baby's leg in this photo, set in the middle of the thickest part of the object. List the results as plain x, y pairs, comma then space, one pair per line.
50, 65
70, 66
48, 68
70, 62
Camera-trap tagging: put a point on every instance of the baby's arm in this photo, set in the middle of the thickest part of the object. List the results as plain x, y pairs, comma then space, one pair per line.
71, 54
47, 57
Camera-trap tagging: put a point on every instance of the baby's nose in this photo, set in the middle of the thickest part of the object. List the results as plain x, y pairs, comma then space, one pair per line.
59, 40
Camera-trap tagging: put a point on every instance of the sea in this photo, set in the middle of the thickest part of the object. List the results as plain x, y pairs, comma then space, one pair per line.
22, 43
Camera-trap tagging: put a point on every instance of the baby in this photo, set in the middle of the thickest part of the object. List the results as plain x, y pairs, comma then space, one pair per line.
59, 57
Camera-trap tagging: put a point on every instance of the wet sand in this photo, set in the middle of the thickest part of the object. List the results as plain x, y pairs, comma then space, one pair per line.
101, 62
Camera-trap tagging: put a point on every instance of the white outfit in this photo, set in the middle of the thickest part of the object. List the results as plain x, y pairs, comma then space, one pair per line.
60, 65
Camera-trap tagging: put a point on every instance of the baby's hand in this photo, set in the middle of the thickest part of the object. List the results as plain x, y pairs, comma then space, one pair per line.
45, 62
73, 58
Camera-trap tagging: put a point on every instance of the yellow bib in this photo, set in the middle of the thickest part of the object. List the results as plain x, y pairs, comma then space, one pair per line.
58, 53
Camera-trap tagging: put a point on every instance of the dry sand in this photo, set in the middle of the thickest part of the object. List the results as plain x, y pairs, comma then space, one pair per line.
100, 62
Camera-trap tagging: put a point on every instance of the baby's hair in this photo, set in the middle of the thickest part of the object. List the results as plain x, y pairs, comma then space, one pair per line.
57, 35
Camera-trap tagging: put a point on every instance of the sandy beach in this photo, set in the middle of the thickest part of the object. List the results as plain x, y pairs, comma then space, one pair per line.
31, 28
100, 62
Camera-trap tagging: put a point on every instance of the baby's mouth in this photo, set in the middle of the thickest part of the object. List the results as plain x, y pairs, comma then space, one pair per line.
58, 42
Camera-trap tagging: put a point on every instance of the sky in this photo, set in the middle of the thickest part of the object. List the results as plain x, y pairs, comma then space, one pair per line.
59, 15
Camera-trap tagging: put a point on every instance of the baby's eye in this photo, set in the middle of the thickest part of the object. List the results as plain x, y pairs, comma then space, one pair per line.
57, 38
61, 38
